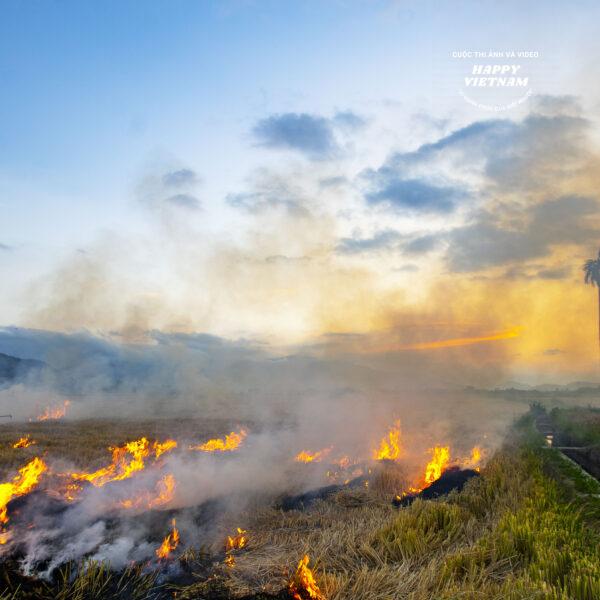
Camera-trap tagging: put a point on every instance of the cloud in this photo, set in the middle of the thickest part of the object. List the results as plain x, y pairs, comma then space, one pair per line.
173, 189
382, 240
390, 240
488, 243
311, 135
180, 178
184, 201
349, 120
5, 247
415, 195
423, 244
553, 352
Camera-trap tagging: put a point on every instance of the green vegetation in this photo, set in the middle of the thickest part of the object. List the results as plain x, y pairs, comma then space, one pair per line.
577, 426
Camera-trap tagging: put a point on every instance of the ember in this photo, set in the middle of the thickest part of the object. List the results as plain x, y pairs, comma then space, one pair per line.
303, 585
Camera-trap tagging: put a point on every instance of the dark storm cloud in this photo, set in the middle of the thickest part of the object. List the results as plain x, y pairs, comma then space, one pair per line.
485, 243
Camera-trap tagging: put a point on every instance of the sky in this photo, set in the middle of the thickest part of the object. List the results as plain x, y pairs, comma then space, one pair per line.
312, 176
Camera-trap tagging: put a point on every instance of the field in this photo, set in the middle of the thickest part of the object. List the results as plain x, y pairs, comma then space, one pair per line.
528, 527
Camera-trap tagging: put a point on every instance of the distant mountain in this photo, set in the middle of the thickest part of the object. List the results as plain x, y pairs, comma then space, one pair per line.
549, 387
13, 369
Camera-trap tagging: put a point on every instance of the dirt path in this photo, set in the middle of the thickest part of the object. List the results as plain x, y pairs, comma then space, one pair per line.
587, 458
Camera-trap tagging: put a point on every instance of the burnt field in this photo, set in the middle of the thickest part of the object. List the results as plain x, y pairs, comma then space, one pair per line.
372, 528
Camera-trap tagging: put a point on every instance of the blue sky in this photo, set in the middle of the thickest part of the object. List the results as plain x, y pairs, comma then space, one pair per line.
261, 102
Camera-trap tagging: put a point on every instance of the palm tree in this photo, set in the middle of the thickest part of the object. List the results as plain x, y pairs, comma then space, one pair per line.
591, 270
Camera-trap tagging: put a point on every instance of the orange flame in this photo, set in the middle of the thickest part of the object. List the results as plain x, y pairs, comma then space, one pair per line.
306, 456
230, 443
165, 491
237, 541
162, 447
24, 442
389, 447
52, 414
303, 585
473, 461
21, 484
169, 544
437, 465
120, 468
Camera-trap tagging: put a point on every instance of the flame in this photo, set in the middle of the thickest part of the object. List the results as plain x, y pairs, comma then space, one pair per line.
21, 484
120, 467
170, 542
306, 456
303, 585
162, 447
52, 414
389, 447
473, 461
165, 491
437, 465
230, 443
230, 560
237, 541
24, 442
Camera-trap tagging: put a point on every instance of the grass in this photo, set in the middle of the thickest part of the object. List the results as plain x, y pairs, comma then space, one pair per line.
578, 426
528, 528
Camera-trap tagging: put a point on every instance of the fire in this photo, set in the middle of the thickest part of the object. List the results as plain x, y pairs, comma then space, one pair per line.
303, 585
230, 443
475, 458
437, 465
306, 456
52, 414
162, 447
165, 491
389, 447
170, 542
22, 484
126, 460
237, 541
24, 442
